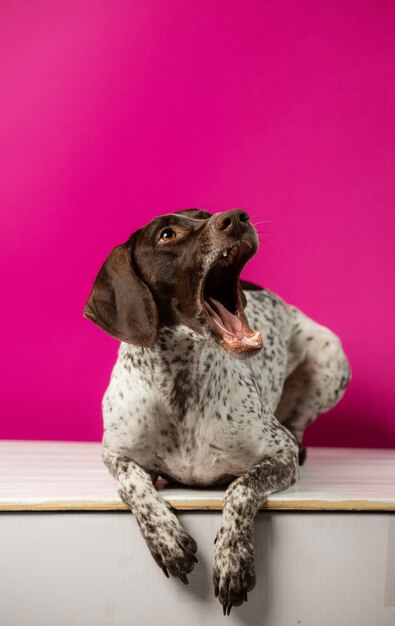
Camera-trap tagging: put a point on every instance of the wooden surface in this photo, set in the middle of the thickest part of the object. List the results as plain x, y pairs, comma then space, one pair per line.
55, 476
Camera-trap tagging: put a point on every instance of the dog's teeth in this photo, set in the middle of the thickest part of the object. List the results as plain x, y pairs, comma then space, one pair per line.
225, 253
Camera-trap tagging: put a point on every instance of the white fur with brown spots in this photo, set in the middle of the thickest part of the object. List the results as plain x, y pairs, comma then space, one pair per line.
188, 410
193, 396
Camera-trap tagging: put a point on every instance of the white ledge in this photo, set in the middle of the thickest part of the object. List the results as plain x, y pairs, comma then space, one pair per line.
67, 476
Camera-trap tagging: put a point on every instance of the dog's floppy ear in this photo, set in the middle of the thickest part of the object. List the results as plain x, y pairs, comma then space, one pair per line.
121, 303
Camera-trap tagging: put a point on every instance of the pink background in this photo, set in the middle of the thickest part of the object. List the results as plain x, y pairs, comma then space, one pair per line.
113, 112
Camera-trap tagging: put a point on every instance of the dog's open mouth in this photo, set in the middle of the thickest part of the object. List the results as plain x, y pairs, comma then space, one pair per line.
222, 301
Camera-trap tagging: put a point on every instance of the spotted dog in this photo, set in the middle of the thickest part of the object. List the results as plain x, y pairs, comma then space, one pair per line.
200, 394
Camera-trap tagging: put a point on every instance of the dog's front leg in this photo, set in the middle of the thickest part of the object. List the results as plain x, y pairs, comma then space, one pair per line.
234, 569
172, 548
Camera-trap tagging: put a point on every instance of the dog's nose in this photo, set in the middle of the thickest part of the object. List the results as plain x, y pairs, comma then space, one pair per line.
232, 221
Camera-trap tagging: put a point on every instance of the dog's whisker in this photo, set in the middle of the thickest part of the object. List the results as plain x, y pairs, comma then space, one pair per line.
261, 222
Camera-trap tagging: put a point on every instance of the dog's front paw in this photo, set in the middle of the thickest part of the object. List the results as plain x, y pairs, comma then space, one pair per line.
172, 548
234, 570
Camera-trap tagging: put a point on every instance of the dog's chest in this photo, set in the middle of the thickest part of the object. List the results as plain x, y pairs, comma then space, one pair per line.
204, 437
194, 413
218, 429
216, 438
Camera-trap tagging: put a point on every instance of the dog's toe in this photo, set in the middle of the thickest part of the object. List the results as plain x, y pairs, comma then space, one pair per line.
173, 550
234, 572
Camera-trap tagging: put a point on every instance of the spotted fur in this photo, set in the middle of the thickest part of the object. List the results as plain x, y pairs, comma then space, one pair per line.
184, 403
188, 411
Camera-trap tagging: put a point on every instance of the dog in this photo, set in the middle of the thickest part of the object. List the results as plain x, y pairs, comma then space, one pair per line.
200, 394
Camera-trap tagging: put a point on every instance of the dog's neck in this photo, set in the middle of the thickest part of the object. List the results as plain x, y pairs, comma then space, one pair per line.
179, 351
182, 370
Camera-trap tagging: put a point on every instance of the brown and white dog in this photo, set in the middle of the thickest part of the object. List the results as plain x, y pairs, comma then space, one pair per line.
201, 395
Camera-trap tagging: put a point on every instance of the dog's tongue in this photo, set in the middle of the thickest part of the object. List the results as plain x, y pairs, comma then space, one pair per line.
231, 324
224, 318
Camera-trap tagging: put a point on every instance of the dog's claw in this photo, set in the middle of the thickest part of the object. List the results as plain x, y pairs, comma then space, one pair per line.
216, 591
183, 578
194, 558
226, 608
166, 573
245, 596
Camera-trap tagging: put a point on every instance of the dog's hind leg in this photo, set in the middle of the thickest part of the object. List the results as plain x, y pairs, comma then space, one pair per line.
318, 380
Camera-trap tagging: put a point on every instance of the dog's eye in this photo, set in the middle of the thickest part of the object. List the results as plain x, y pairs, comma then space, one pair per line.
167, 234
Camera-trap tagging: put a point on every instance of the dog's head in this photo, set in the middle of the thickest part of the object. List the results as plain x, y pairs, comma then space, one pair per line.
181, 268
